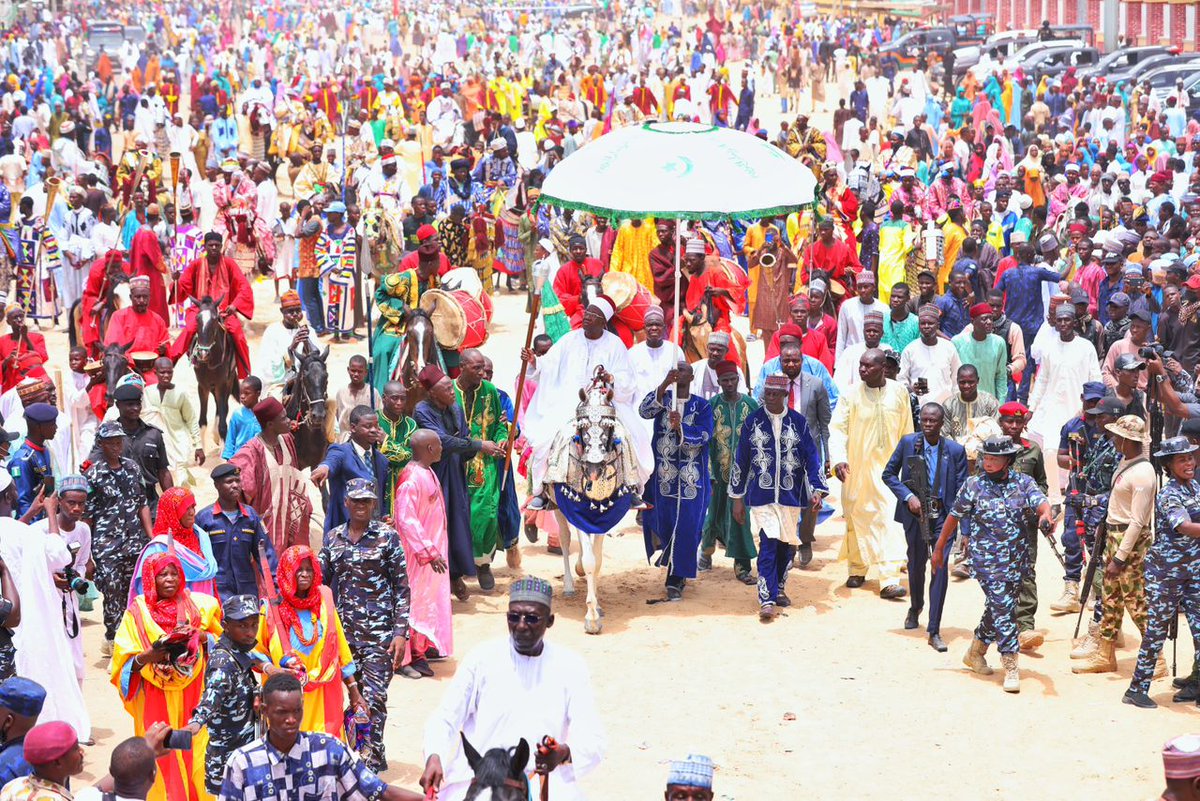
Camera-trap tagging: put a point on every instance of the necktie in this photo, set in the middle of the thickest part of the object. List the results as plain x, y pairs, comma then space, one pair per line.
792, 394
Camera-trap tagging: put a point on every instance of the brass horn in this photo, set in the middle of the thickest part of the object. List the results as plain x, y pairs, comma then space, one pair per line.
53, 185
768, 260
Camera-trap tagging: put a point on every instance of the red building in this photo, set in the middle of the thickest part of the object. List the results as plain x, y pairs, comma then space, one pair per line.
1148, 22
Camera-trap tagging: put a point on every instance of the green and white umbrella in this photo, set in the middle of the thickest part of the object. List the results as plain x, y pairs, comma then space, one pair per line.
681, 171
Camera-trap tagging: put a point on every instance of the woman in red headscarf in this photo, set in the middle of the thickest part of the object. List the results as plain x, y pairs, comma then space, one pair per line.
175, 529
146, 258
307, 637
158, 661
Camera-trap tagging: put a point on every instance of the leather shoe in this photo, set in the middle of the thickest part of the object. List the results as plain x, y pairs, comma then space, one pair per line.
459, 588
854, 582
487, 582
911, 620
704, 564
782, 601
674, 593
422, 667
409, 672
892, 592
1140, 700
937, 643
804, 556
745, 577
767, 613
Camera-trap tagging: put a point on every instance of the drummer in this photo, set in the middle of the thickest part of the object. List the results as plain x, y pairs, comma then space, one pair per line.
140, 332
428, 258
398, 294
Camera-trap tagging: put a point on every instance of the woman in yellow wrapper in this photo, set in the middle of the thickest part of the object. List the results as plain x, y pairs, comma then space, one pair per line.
315, 645
158, 661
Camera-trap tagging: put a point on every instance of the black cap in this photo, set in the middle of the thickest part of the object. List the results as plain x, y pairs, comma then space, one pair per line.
1108, 405
222, 470
999, 446
127, 392
8, 436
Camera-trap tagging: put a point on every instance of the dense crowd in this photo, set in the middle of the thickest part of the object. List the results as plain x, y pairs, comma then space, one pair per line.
984, 328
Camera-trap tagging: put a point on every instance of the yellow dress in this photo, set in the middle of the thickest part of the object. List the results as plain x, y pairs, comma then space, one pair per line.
631, 251
325, 660
164, 693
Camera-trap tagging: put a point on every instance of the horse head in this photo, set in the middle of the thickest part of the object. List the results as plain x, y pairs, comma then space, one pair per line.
594, 422
208, 328
115, 364
499, 773
312, 385
420, 345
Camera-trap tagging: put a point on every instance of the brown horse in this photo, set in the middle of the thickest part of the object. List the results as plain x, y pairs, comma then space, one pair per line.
212, 355
419, 349
696, 334
306, 401
115, 365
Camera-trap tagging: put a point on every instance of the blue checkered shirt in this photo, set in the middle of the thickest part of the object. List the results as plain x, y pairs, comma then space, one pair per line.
317, 767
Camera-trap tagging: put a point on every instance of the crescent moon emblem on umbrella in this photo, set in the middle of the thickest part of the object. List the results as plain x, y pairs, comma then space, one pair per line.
681, 166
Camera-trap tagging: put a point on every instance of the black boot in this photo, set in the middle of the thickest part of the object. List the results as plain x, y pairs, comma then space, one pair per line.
1138, 699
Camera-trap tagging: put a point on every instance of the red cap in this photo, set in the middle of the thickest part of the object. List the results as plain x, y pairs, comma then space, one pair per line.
425, 232
48, 742
1193, 282
980, 309
1014, 409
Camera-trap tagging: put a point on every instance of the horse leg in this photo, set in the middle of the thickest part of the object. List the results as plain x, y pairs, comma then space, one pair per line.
223, 411
202, 391
590, 546
564, 541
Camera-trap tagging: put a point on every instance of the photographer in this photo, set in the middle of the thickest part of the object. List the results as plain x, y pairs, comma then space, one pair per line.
76, 537
1172, 403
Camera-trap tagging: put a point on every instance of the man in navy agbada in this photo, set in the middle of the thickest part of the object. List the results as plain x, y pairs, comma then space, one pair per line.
945, 465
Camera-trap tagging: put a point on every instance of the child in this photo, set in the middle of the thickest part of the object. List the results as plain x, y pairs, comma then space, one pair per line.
420, 517
243, 425
356, 394
80, 406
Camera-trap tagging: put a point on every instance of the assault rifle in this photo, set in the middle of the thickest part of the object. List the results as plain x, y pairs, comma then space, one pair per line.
918, 483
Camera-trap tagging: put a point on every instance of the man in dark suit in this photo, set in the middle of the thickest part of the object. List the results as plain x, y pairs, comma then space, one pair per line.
357, 458
945, 463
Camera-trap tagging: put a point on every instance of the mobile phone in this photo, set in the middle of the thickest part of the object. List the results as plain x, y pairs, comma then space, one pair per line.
48, 486
178, 740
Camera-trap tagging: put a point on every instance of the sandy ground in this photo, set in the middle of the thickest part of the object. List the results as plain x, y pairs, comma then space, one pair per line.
834, 699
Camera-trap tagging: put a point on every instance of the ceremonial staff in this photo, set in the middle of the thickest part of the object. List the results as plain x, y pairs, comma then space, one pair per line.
534, 307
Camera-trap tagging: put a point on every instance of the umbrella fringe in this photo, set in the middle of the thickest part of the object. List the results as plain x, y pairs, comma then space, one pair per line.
629, 214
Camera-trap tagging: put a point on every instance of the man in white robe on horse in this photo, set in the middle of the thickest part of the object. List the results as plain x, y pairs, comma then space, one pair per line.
551, 427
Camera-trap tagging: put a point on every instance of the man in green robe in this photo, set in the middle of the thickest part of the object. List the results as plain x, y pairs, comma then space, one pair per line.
486, 421
730, 409
396, 429
398, 293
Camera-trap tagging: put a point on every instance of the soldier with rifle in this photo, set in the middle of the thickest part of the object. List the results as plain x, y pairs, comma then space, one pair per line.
925, 472
1128, 527
1098, 463
1172, 577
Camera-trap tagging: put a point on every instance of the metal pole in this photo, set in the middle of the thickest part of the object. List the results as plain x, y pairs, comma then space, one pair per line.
675, 320
1110, 16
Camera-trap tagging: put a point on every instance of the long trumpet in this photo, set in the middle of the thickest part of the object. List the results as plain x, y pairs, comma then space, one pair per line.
175, 157
768, 260
53, 185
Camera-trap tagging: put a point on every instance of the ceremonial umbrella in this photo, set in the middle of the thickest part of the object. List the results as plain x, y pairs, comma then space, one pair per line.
680, 171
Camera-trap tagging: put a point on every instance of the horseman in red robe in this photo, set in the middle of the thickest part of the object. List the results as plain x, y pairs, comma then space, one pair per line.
569, 281
138, 328
217, 277
707, 272
22, 352
103, 276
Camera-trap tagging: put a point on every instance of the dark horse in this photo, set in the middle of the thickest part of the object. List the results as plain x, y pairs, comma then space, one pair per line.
306, 402
213, 359
696, 334
419, 349
115, 364
499, 774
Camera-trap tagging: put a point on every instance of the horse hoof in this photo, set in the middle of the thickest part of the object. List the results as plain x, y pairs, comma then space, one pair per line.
592, 626
568, 593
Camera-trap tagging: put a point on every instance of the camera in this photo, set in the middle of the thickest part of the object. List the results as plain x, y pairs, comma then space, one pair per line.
1152, 352
76, 582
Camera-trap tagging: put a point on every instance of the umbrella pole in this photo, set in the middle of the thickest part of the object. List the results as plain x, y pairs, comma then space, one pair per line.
678, 327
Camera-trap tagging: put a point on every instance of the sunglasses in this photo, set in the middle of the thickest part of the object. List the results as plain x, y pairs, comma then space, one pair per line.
528, 618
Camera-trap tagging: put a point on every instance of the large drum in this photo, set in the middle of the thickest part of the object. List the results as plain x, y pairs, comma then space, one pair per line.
446, 313
477, 316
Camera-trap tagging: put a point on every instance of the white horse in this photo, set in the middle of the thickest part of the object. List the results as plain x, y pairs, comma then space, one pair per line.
593, 492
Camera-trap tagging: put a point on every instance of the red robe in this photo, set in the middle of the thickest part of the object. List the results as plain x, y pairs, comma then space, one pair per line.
718, 275
29, 360
145, 258
141, 332
834, 259
95, 292
814, 344
568, 286
229, 286
644, 99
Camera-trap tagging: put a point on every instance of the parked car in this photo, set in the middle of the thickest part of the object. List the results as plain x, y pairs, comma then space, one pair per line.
1054, 61
1135, 73
1162, 80
1000, 46
1121, 60
904, 52
971, 27
110, 35
1024, 55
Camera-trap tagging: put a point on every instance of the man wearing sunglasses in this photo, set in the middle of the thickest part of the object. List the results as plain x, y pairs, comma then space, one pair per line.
514, 688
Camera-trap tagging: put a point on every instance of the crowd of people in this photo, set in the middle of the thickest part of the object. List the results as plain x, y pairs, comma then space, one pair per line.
984, 330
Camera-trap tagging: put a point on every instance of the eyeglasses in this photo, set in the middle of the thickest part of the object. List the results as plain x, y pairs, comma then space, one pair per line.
528, 618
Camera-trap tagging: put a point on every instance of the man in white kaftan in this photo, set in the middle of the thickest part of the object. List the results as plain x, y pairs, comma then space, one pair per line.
513, 688
279, 341
868, 422
652, 359
560, 374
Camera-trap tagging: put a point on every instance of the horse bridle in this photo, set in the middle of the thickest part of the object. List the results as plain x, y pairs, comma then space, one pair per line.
304, 416
200, 352
511, 783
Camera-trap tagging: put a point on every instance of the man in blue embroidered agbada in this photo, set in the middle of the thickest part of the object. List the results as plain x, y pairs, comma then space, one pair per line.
777, 472
679, 489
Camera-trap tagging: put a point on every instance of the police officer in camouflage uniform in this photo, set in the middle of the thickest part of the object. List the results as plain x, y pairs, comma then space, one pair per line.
1014, 416
997, 502
1172, 564
364, 565
231, 684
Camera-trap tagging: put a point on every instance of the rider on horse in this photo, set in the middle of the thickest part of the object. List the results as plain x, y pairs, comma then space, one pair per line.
398, 294
568, 367
217, 277
98, 302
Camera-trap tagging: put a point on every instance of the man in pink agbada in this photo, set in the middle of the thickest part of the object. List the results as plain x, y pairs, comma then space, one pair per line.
420, 519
